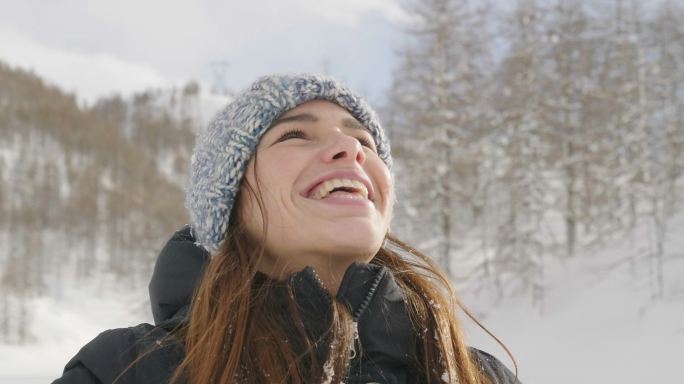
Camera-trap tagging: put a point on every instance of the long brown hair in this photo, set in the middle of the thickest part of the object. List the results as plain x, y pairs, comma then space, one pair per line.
237, 333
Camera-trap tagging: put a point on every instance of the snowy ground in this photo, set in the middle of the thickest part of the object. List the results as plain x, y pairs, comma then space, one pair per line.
599, 323
62, 326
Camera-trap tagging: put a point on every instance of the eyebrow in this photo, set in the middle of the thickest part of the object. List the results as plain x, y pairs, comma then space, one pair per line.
302, 117
347, 122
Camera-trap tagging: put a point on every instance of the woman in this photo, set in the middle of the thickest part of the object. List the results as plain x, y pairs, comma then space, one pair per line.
298, 279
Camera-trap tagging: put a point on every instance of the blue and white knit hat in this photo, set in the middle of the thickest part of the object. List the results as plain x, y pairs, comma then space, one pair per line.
223, 150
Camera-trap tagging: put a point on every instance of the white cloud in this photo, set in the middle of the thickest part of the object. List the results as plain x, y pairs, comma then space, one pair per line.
89, 75
95, 47
349, 12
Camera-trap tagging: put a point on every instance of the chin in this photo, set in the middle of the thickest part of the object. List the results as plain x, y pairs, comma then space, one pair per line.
362, 246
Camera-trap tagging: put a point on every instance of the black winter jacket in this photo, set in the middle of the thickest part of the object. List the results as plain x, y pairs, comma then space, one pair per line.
385, 333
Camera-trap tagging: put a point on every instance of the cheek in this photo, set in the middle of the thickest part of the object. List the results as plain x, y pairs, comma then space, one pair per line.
274, 182
249, 212
390, 202
280, 168
275, 185
389, 207
385, 184
256, 199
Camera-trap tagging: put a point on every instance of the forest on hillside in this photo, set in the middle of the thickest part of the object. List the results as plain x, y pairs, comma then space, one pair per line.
519, 137
535, 134
85, 190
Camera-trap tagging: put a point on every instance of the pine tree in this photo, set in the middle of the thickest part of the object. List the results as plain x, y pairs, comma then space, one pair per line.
518, 188
663, 164
436, 123
570, 72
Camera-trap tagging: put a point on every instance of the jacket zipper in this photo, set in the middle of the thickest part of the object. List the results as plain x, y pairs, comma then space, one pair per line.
320, 282
355, 332
357, 313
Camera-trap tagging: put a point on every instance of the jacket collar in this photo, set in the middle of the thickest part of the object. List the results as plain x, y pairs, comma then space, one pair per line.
177, 272
385, 332
181, 263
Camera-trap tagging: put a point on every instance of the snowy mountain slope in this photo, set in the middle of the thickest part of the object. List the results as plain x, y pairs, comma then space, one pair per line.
600, 323
62, 325
80, 208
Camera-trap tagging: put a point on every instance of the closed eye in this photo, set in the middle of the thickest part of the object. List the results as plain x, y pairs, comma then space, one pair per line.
365, 142
299, 134
293, 134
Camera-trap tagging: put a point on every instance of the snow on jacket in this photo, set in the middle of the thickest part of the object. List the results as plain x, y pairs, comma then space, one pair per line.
385, 332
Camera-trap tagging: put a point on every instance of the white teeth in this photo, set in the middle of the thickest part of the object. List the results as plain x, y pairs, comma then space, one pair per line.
359, 186
319, 194
326, 187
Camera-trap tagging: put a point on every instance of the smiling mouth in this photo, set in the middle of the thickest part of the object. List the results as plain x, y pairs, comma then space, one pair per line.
347, 188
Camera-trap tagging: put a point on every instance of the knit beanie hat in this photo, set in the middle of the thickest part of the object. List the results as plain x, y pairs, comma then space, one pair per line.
223, 150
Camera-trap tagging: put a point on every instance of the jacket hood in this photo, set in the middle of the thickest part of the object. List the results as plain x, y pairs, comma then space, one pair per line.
177, 272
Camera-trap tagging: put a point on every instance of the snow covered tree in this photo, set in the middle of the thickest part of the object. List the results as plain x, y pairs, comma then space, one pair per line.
435, 120
662, 169
515, 240
566, 84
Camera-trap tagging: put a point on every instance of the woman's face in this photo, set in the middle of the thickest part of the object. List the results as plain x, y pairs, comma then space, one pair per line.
326, 193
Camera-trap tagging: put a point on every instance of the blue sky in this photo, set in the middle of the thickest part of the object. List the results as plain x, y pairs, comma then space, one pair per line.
95, 48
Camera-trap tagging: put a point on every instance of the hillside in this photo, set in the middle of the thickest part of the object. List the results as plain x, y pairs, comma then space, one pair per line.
600, 322
80, 188
89, 194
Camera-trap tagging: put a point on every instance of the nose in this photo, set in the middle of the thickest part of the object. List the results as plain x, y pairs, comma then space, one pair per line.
344, 147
